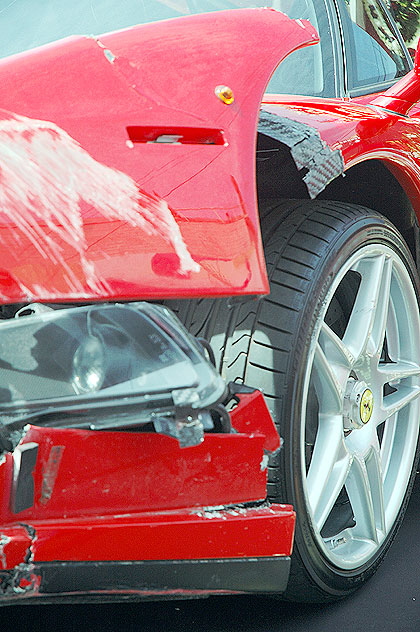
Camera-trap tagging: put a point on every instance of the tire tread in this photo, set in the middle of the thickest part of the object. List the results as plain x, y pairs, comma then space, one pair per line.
297, 237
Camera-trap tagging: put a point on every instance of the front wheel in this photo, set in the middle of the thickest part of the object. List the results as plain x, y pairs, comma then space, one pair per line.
336, 349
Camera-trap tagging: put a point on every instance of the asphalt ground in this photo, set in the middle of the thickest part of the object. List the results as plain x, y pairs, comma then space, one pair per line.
390, 602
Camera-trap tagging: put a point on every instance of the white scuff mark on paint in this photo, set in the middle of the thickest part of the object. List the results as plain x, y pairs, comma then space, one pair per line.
4, 540
44, 177
223, 512
264, 463
109, 55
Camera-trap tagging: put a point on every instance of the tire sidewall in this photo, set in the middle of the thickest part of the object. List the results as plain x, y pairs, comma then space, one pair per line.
365, 230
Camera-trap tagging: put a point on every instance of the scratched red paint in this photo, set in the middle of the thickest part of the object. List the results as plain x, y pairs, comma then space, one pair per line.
46, 177
106, 209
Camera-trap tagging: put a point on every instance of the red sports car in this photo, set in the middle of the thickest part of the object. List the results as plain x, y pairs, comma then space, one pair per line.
253, 174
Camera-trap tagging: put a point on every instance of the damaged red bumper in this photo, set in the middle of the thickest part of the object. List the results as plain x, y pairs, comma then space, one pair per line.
133, 513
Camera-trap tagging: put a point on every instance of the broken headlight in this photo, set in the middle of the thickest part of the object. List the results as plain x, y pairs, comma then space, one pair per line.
106, 366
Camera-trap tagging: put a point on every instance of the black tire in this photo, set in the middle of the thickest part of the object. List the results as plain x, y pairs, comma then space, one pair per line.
301, 345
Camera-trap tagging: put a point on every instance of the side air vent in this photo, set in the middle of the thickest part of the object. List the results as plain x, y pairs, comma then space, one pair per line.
176, 135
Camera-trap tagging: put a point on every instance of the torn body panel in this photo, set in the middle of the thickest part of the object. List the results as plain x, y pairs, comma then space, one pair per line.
140, 555
15, 545
349, 132
133, 513
153, 508
104, 206
314, 159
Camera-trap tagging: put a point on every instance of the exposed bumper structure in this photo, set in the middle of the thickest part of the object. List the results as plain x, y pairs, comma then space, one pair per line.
134, 515
201, 552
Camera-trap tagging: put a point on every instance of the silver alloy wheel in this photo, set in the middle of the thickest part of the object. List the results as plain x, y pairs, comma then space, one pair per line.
361, 397
335, 347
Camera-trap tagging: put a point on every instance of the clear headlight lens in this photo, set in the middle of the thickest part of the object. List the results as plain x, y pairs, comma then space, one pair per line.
105, 356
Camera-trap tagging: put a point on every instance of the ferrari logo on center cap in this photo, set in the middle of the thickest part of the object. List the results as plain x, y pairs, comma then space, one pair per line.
366, 406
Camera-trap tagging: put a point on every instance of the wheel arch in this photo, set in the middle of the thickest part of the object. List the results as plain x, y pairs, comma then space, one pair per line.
381, 185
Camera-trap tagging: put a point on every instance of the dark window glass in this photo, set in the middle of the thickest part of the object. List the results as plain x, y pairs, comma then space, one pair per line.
25, 24
307, 71
374, 53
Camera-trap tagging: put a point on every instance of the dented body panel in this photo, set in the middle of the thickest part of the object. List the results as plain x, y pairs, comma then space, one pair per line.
117, 499
155, 173
111, 214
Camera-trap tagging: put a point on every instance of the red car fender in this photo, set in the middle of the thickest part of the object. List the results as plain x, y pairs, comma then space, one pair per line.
136, 152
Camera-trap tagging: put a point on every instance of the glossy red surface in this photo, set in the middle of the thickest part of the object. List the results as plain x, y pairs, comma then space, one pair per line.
252, 416
93, 207
118, 472
14, 544
133, 496
189, 534
362, 132
401, 97
405, 93
185, 215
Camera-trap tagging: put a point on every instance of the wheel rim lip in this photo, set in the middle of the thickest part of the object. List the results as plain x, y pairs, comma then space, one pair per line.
361, 553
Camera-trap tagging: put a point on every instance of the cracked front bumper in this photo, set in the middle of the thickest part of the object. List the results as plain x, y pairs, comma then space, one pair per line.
197, 552
115, 515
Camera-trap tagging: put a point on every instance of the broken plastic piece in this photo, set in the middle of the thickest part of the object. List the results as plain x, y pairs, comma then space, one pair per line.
251, 415
189, 433
23, 488
320, 163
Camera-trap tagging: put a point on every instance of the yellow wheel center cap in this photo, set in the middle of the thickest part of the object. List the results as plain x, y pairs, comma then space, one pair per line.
366, 406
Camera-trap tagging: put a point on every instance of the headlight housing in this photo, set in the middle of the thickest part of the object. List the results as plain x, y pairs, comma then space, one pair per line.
103, 366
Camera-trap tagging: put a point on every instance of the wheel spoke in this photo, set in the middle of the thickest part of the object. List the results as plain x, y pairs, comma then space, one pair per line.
329, 468
394, 402
387, 443
365, 490
336, 352
327, 386
366, 326
394, 371
346, 384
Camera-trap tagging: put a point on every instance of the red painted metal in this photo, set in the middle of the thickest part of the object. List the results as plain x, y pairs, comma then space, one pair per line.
401, 97
252, 416
96, 91
188, 534
185, 224
209, 187
405, 93
137, 495
117, 472
361, 132
15, 543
